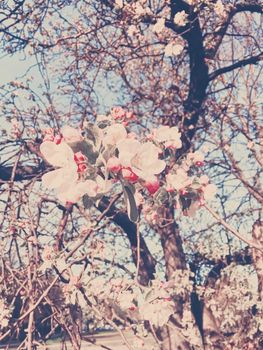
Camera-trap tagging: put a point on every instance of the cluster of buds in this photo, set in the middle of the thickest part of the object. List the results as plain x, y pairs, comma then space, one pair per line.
118, 113
16, 131
49, 135
114, 165
81, 161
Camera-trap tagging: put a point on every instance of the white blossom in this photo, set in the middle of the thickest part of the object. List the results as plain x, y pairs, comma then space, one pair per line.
173, 49
180, 19
159, 25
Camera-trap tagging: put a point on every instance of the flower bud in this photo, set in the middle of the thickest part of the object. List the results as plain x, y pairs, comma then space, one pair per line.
79, 157
129, 175
82, 168
152, 185
114, 165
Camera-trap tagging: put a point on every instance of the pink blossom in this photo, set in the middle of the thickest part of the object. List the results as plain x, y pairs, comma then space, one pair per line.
196, 158
204, 179
65, 179
60, 156
82, 167
114, 164
172, 49
178, 180
209, 191
180, 19
169, 136
157, 312
71, 135
75, 191
118, 113
129, 175
79, 157
159, 25
142, 158
114, 133
152, 184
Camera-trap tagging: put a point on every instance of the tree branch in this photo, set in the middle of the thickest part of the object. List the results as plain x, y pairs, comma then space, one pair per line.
239, 64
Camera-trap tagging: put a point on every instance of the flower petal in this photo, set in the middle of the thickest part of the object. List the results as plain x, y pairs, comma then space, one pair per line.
60, 178
57, 155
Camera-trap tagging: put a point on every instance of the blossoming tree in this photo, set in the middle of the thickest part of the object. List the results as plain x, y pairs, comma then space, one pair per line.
130, 173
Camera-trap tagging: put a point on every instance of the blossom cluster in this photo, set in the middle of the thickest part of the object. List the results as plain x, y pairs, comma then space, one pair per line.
94, 161
154, 303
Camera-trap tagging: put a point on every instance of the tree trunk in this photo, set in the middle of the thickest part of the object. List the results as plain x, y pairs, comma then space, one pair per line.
171, 337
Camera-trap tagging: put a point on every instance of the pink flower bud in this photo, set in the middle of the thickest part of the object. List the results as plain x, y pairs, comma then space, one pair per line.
49, 131
169, 189
152, 185
82, 168
57, 139
79, 157
132, 308
199, 163
118, 113
183, 192
114, 165
48, 137
129, 175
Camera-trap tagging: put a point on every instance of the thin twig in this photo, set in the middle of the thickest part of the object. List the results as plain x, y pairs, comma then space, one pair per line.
232, 230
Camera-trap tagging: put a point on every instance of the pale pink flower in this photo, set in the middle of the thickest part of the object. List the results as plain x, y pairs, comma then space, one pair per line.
114, 134
158, 312
127, 149
103, 185
71, 135
60, 156
119, 3
204, 179
132, 135
129, 175
169, 136
219, 8
152, 184
114, 164
132, 30
65, 180
180, 19
209, 191
173, 49
179, 180
90, 187
139, 10
159, 25
196, 158
118, 113
125, 300
142, 158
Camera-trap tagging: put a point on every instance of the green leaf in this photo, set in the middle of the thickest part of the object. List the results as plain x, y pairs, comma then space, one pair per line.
128, 191
93, 134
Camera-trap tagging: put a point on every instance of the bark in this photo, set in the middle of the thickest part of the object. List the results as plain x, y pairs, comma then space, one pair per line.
257, 234
146, 263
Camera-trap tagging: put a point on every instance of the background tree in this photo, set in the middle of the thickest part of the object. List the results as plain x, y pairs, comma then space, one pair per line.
190, 64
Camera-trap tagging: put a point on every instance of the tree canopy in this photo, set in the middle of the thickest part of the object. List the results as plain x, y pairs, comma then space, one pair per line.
131, 158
